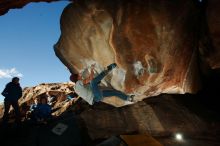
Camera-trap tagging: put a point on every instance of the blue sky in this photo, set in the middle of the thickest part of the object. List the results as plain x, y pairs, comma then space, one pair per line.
27, 37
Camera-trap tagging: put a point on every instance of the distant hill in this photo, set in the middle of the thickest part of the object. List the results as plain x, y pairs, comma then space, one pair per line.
57, 92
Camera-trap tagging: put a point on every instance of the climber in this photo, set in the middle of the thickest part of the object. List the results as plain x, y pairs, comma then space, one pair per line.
88, 88
12, 93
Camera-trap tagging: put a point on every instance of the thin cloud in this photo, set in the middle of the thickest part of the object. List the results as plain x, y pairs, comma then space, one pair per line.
9, 73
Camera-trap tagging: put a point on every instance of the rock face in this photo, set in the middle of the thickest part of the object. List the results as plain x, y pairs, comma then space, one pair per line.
212, 43
160, 46
161, 116
153, 43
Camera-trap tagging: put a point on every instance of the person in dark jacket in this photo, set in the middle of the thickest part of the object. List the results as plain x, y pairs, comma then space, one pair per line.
40, 111
12, 93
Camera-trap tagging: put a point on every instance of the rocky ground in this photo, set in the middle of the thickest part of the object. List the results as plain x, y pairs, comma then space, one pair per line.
195, 116
160, 116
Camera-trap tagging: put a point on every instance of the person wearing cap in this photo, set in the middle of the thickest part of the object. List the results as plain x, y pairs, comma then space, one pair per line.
88, 88
12, 93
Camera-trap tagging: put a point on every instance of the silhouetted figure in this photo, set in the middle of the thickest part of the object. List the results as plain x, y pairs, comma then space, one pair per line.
12, 93
88, 87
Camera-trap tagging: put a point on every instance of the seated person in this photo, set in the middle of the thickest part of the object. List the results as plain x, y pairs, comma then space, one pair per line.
33, 106
40, 111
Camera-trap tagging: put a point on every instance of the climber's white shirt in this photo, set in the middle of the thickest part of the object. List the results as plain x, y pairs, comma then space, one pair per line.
84, 91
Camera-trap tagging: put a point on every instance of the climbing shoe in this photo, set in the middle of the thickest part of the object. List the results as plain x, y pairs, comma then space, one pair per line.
111, 66
131, 98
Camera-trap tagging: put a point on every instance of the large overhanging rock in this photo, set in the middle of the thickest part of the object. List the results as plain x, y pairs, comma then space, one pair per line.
211, 40
153, 43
